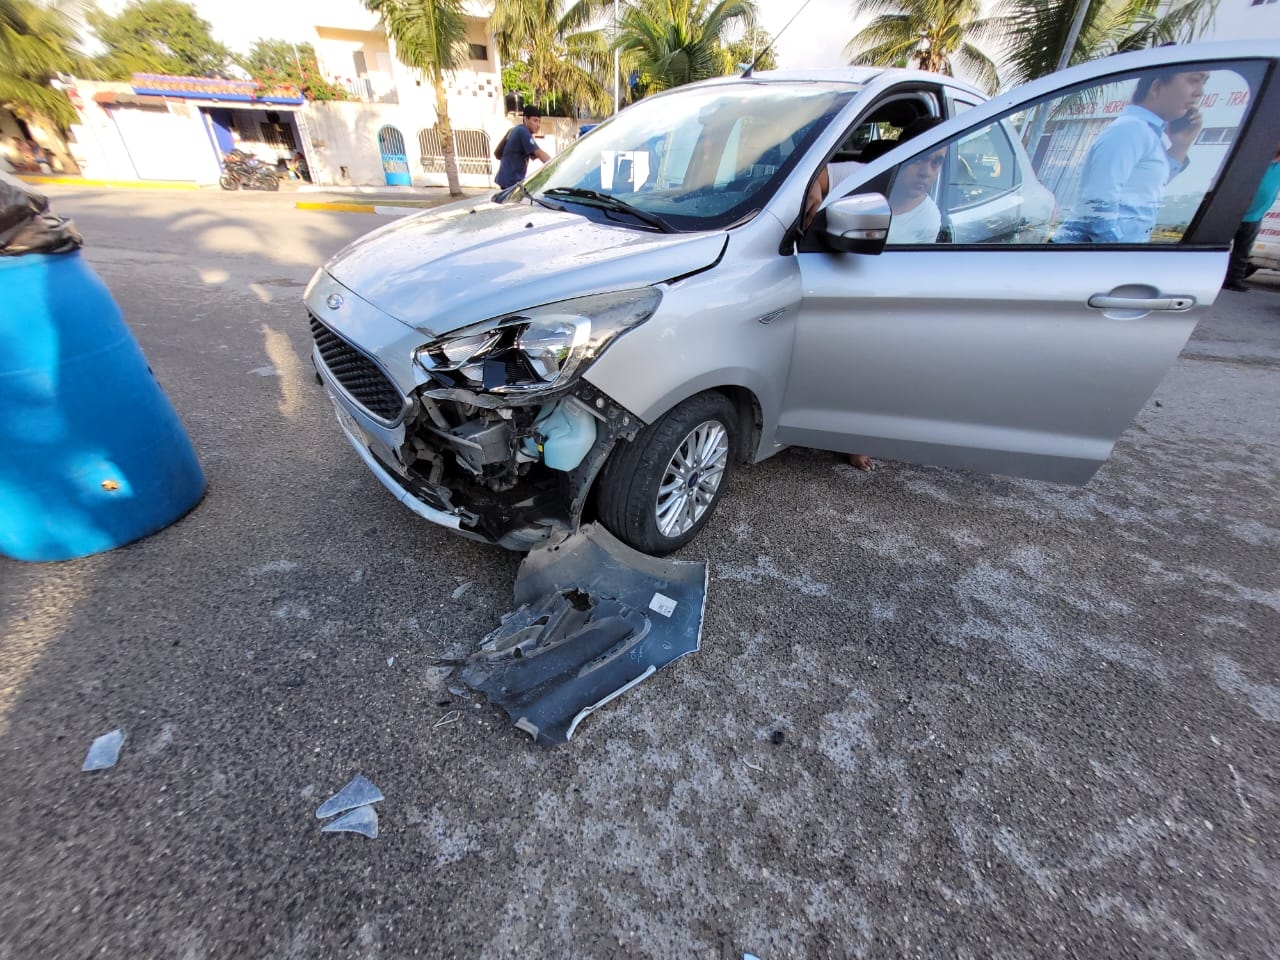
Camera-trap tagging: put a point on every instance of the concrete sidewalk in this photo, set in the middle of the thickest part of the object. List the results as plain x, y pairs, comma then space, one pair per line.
388, 201
68, 180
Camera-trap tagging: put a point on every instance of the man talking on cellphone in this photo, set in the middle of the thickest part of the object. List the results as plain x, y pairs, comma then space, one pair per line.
1129, 165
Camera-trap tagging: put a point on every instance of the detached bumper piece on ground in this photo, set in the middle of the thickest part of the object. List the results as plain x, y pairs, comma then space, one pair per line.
594, 619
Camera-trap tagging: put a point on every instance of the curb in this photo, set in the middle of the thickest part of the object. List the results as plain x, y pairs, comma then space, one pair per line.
124, 184
357, 208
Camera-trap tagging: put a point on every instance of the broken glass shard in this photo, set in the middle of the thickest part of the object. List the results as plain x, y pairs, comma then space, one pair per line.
582, 633
362, 820
104, 752
357, 793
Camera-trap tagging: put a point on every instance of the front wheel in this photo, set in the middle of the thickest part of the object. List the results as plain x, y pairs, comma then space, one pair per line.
659, 490
228, 182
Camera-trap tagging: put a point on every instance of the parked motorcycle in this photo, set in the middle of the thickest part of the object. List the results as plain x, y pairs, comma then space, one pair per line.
240, 169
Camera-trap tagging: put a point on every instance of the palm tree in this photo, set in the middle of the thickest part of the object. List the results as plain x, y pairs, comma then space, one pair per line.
673, 42
554, 41
36, 43
430, 36
1037, 32
927, 34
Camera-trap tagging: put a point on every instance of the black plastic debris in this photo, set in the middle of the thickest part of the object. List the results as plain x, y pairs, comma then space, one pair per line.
594, 619
28, 226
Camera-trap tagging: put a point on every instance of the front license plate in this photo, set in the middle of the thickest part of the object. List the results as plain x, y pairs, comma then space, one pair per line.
348, 423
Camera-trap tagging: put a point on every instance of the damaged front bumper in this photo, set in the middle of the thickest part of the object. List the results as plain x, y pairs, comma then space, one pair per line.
594, 619
511, 470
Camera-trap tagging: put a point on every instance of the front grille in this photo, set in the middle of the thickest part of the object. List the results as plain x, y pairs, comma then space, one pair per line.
359, 375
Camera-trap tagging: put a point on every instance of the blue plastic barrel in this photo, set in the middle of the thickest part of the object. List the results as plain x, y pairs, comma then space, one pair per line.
92, 455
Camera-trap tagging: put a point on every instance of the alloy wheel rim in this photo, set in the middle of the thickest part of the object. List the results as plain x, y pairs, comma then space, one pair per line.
692, 478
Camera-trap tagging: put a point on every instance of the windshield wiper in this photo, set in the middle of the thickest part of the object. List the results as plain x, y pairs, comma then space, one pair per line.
607, 202
521, 188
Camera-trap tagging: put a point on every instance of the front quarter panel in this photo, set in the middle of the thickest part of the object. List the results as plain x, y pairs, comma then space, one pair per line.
730, 325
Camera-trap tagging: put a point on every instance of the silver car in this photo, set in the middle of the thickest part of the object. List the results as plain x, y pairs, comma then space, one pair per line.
674, 295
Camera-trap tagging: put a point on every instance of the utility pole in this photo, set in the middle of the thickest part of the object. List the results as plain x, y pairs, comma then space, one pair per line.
1064, 58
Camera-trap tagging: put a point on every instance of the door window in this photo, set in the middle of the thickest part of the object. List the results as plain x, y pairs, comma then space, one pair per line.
1128, 161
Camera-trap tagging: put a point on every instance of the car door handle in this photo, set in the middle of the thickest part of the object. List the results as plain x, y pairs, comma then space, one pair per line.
1104, 301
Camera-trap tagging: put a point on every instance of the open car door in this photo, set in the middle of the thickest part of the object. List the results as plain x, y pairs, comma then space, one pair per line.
1019, 314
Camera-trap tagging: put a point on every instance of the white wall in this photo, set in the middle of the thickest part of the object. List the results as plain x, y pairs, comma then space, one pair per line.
345, 134
98, 149
1241, 20
335, 55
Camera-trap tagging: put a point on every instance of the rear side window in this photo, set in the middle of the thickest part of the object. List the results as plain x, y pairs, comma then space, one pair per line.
985, 167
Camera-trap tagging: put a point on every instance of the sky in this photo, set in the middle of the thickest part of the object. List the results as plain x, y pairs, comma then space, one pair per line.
816, 38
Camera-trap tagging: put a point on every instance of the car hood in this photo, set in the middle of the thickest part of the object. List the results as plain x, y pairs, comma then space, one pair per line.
457, 265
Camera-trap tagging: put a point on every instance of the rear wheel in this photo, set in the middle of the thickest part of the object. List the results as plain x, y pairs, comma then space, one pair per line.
659, 490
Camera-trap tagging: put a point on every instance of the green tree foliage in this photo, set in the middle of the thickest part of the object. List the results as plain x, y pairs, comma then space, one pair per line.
936, 35
1036, 32
672, 42
157, 36
754, 45
565, 58
276, 63
36, 42
430, 36
515, 79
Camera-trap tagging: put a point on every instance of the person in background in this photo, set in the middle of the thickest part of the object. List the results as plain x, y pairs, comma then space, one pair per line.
39, 157
295, 165
518, 147
12, 151
21, 156
1129, 165
1268, 189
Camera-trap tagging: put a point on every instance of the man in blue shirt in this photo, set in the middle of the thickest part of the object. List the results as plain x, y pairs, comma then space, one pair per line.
1268, 189
1128, 166
518, 146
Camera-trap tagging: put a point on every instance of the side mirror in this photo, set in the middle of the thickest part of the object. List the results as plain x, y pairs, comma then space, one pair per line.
858, 224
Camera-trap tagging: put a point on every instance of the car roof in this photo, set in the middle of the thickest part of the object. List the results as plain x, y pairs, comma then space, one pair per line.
861, 77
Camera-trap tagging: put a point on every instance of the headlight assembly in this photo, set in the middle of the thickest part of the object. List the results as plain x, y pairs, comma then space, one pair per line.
535, 350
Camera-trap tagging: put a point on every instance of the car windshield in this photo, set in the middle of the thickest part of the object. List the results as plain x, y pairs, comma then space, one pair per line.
697, 159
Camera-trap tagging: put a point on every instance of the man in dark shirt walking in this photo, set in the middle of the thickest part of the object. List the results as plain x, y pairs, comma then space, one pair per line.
518, 147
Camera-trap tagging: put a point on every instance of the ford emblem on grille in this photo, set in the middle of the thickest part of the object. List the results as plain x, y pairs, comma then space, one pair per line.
334, 301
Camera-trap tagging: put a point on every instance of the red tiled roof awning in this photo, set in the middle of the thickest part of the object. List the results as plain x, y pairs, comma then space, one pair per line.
109, 98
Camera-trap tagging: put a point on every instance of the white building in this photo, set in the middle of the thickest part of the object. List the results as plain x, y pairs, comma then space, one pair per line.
177, 129
389, 134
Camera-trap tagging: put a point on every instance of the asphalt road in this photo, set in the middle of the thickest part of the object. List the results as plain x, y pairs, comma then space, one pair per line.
934, 714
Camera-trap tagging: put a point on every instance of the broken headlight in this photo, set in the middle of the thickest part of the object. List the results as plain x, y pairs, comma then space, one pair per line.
538, 349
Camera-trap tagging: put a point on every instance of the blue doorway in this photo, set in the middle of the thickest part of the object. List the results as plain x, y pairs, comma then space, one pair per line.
395, 160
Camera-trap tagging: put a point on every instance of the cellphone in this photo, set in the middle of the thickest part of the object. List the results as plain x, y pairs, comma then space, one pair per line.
1181, 123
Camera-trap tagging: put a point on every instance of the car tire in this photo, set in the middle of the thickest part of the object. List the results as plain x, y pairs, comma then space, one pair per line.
658, 491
